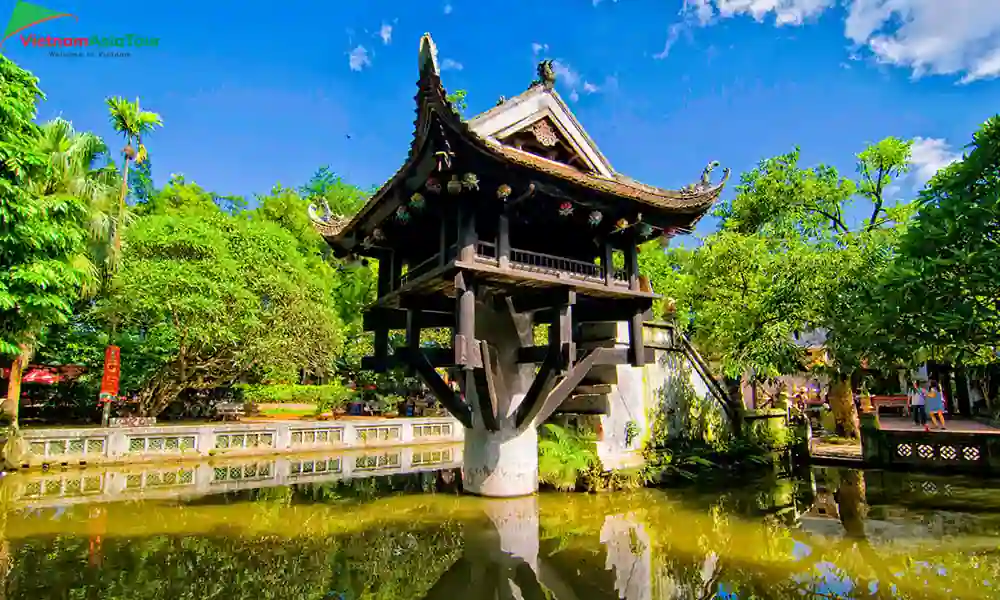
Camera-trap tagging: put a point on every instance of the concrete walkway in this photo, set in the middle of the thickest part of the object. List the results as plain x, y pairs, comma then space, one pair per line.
957, 425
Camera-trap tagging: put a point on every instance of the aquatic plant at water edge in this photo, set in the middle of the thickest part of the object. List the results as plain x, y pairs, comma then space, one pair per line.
563, 456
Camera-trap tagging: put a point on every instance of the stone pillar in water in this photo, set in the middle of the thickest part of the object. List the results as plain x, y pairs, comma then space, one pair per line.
504, 463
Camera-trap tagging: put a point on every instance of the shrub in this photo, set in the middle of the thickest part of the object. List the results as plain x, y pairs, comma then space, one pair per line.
331, 396
564, 455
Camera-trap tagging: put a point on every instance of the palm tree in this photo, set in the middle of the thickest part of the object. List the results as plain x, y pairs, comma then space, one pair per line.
74, 168
70, 169
132, 123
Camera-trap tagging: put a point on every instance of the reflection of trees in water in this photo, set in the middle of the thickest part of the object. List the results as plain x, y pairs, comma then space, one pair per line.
386, 564
640, 546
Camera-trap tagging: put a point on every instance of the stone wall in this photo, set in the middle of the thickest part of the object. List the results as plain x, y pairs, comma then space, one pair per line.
671, 391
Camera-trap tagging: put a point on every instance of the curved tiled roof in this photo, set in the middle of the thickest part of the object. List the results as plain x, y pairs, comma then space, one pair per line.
694, 200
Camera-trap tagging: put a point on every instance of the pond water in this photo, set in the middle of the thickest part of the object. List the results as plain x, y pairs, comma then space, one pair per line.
823, 533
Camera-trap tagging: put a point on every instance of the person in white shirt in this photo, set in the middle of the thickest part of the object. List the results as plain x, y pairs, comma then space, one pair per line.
918, 401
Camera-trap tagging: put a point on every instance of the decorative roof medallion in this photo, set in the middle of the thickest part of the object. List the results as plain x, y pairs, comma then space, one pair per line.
543, 132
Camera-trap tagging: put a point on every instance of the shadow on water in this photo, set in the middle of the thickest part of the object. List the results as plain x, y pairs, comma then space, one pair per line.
826, 534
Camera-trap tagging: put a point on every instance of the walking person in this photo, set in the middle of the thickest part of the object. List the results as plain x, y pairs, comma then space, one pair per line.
917, 405
934, 403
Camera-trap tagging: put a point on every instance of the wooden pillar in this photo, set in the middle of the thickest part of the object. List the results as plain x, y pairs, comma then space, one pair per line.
467, 237
632, 264
608, 262
443, 241
412, 334
465, 320
561, 335
396, 274
637, 345
503, 241
384, 273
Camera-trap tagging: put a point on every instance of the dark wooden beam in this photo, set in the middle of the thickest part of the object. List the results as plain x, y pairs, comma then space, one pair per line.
384, 274
597, 310
614, 356
632, 263
567, 384
442, 391
466, 233
395, 319
637, 347
489, 384
532, 401
436, 304
464, 337
503, 241
561, 336
413, 331
438, 357
608, 261
550, 298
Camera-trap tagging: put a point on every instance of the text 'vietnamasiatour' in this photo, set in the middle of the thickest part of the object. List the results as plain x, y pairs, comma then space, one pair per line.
129, 40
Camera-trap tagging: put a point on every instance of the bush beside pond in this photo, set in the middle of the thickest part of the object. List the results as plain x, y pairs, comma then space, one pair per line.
326, 397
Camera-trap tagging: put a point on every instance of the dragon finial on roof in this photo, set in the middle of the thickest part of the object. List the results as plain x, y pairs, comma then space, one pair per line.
546, 73
705, 182
326, 223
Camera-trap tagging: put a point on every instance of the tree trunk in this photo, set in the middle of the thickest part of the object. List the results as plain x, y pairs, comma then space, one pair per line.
12, 401
844, 412
851, 506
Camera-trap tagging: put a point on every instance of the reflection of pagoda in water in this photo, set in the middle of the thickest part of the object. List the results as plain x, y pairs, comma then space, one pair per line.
504, 558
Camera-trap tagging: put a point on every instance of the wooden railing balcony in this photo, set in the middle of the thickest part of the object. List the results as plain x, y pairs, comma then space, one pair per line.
522, 260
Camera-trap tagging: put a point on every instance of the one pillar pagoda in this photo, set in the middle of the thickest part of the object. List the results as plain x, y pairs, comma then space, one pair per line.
492, 226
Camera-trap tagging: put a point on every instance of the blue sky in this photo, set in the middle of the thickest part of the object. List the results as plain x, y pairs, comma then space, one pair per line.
254, 94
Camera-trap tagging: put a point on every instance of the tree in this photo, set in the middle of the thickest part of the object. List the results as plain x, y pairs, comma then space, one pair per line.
220, 297
457, 100
75, 169
788, 260
131, 122
41, 237
942, 292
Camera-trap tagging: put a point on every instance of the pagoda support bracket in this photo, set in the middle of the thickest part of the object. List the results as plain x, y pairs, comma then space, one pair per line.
541, 408
442, 391
489, 387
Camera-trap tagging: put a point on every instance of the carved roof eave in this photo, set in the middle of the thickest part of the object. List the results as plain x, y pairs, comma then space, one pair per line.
694, 200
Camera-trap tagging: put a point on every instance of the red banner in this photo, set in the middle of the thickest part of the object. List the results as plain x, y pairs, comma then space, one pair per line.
112, 373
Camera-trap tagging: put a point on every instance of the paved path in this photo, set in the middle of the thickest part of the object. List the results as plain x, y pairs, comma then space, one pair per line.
953, 425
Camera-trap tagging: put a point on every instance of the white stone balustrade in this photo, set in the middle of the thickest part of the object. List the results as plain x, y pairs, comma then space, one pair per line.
118, 445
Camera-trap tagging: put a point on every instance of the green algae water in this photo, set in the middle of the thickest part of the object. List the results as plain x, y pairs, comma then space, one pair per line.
167, 533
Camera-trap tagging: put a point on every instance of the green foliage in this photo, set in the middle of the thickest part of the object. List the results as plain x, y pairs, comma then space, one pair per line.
564, 455
457, 100
222, 296
941, 294
41, 236
327, 397
342, 197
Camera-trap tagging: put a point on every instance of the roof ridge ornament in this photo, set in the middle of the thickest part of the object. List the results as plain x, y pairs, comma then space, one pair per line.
546, 74
428, 54
326, 223
705, 183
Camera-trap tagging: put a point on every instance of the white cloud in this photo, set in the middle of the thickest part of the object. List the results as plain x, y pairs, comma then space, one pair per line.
590, 88
565, 74
537, 48
574, 96
930, 155
359, 58
385, 33
944, 37
447, 9
451, 65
